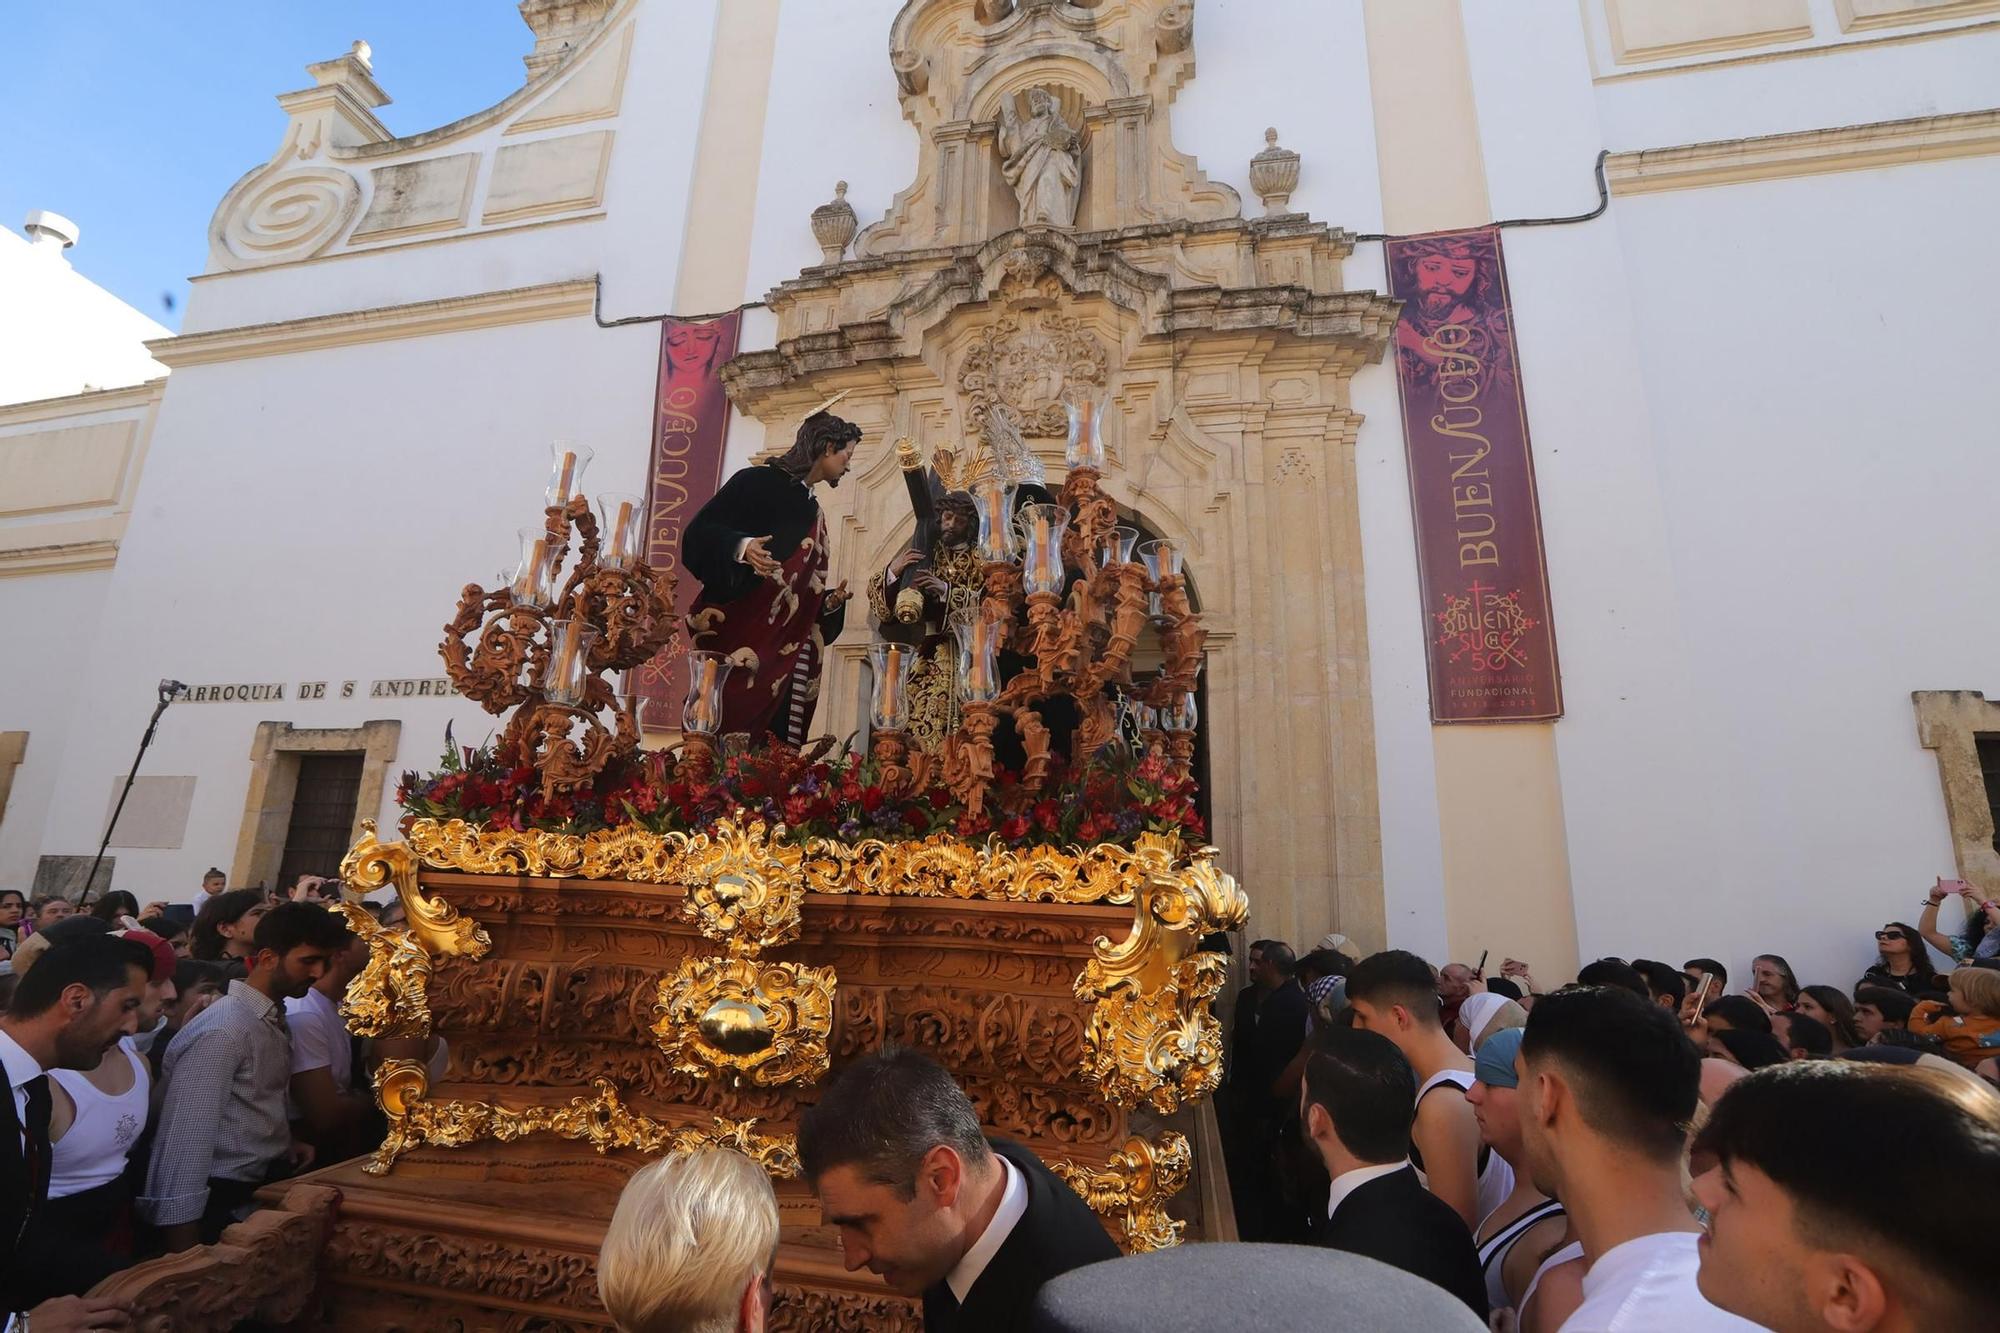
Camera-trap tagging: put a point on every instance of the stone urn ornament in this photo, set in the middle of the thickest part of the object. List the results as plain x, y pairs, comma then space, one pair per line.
1274, 174
834, 225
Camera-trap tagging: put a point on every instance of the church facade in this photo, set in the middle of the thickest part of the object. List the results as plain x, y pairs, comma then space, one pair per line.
1749, 379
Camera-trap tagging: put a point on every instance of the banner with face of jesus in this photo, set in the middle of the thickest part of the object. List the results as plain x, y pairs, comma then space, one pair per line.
1491, 645
690, 430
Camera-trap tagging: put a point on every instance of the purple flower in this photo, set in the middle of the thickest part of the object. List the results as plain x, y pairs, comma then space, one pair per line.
849, 829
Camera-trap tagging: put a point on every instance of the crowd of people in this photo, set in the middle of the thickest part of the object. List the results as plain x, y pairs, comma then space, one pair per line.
1419, 1147
165, 1063
1644, 1148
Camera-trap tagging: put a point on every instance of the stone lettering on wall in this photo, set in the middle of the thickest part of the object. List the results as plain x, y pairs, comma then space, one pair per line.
413, 687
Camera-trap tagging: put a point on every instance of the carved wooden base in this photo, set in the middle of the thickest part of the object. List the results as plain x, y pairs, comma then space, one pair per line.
262, 1270
504, 1237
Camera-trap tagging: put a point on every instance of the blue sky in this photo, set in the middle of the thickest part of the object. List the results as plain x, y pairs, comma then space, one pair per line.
133, 117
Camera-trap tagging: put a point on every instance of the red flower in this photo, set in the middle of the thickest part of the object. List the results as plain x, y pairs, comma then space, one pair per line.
871, 799
1014, 829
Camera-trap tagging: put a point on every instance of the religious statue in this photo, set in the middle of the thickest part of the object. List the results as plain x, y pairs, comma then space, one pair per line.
1041, 157
759, 548
932, 586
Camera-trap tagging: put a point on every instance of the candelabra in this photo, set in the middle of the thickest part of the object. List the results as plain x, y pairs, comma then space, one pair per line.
540, 644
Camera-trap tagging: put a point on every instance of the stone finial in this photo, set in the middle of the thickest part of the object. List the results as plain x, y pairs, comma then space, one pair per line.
1274, 174
834, 225
992, 11
338, 111
1173, 30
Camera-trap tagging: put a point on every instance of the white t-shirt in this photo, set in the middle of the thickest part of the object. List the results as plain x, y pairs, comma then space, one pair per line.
1648, 1284
319, 1038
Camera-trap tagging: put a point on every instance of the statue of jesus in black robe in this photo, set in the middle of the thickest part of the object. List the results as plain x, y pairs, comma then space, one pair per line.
759, 548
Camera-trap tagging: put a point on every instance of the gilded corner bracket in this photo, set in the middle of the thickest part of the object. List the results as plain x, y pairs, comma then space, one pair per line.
1151, 1039
1134, 1187
390, 997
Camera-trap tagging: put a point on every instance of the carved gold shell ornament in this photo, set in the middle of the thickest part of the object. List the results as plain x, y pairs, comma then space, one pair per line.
759, 1022
1134, 1187
745, 890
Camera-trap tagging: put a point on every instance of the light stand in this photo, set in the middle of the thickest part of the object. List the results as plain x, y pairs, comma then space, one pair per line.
170, 690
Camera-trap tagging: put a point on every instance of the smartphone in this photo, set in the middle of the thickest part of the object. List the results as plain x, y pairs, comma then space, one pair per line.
1954, 886
1480, 969
1701, 996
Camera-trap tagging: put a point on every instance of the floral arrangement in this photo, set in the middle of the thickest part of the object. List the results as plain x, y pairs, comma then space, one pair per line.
1112, 799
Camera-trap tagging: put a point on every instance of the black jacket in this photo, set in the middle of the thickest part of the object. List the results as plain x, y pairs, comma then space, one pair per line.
1396, 1220
15, 1204
1056, 1234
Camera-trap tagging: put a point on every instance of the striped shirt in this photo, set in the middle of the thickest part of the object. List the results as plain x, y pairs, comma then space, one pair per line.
222, 1114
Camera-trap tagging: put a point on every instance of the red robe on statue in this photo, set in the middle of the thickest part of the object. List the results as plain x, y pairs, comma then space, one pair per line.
773, 631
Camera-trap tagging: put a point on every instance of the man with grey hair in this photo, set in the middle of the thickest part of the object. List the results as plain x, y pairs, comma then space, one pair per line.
691, 1246
923, 1199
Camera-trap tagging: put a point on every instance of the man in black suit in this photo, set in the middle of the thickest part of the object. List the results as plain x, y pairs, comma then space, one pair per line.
1356, 1104
69, 1008
924, 1200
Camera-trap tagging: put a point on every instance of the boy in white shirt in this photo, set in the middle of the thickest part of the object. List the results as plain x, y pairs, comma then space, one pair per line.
1608, 1085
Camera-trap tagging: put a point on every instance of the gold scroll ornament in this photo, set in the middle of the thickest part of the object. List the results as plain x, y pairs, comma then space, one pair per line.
390, 996
1151, 1039
600, 1118
1134, 1187
939, 866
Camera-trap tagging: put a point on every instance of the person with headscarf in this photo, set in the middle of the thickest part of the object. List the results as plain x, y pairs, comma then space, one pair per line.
1528, 1225
1482, 1014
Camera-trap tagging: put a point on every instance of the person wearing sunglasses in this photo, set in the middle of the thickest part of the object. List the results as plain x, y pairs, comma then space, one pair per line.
1902, 962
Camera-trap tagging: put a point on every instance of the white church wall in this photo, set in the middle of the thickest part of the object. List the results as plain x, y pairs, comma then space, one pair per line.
316, 519
1819, 449
60, 614
1721, 794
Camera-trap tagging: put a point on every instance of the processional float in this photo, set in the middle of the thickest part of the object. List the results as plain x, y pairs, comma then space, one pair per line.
630, 952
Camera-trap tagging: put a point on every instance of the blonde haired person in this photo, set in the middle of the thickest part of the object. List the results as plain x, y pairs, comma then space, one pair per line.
1969, 1023
691, 1246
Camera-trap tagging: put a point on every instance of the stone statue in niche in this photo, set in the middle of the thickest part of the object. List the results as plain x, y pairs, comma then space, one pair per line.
1041, 157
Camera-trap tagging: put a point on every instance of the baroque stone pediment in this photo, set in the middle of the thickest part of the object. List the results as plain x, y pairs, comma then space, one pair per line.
1034, 111
1279, 274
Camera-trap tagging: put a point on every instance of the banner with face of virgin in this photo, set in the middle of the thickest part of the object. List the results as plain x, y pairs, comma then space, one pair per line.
690, 430
1491, 644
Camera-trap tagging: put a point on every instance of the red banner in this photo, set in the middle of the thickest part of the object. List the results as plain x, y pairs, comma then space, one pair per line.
690, 428
1485, 583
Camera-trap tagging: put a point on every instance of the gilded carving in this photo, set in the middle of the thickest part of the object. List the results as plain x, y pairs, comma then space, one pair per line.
1134, 1186
763, 1022
388, 998
1151, 1038
600, 1118
940, 866
744, 889
434, 924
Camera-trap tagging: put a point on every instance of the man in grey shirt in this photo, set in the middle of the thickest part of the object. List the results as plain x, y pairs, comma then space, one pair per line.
223, 1130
